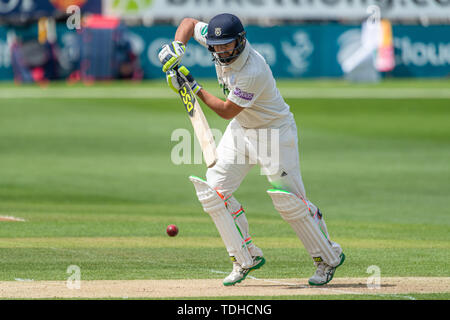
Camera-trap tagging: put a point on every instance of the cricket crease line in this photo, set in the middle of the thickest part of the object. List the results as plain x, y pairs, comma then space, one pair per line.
266, 280
323, 289
367, 293
11, 218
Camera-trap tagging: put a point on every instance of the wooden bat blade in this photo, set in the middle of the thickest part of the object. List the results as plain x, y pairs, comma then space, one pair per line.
200, 125
204, 136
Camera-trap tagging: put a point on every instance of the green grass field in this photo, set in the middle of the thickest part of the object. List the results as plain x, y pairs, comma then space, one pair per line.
92, 176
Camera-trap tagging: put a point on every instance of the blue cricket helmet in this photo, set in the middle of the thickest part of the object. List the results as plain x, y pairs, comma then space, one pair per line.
222, 29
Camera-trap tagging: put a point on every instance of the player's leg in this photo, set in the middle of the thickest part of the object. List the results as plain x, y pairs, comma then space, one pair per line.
235, 210
291, 180
296, 212
225, 177
289, 198
215, 207
238, 213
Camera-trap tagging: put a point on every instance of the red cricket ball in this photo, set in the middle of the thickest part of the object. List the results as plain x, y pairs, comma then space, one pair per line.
172, 230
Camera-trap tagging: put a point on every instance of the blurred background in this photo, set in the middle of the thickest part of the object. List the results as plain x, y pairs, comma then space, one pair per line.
360, 40
87, 170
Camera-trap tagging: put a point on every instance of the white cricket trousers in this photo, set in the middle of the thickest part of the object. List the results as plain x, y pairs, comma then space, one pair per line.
236, 157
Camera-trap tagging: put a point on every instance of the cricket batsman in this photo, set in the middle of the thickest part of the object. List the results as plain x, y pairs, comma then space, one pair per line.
252, 102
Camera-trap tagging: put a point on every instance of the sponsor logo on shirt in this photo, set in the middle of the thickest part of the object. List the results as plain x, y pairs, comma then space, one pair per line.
242, 94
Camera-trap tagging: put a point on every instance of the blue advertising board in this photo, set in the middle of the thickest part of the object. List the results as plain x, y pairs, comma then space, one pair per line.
292, 51
6, 72
422, 51
305, 51
300, 51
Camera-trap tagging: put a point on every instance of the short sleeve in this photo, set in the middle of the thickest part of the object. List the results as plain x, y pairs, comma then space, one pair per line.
200, 31
246, 91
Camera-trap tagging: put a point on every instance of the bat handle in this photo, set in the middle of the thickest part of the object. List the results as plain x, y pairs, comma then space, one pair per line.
179, 79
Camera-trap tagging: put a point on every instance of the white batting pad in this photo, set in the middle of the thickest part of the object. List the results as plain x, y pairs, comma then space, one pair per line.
215, 207
294, 211
240, 220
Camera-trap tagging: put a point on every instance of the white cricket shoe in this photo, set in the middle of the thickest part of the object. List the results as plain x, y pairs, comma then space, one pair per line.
324, 273
238, 274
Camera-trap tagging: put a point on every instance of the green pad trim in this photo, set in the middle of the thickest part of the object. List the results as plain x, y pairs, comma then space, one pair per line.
197, 178
278, 190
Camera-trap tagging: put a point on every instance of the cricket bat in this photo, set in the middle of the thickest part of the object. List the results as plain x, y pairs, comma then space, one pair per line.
200, 125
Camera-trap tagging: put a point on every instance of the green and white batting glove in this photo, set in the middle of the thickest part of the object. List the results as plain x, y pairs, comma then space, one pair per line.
179, 76
171, 54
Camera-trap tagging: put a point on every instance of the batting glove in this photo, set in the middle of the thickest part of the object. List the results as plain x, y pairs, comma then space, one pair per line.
179, 76
171, 54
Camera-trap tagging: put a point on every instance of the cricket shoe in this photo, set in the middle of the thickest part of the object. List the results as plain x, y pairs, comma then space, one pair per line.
238, 274
324, 272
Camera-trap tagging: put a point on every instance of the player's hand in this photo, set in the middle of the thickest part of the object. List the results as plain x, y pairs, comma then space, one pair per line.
171, 54
173, 80
179, 76
186, 74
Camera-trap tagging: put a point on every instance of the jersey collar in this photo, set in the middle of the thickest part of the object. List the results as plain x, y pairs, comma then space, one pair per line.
240, 61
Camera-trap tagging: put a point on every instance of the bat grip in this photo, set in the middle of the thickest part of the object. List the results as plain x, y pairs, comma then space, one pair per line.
179, 78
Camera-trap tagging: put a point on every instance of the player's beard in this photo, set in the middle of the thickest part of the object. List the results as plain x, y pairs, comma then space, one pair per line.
223, 61
234, 54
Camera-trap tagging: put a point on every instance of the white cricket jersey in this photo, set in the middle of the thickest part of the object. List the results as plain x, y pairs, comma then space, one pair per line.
249, 83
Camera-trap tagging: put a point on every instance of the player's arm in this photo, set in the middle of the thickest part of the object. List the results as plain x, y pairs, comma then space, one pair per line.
225, 109
185, 30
